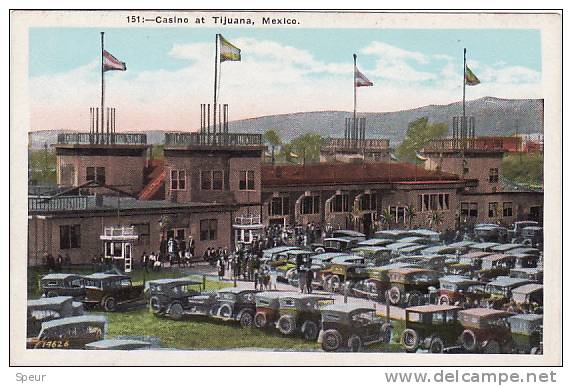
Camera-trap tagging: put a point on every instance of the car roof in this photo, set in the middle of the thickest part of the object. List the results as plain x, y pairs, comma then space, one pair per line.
533, 227
328, 255
407, 270
298, 252
235, 290
392, 266
483, 312
350, 232
423, 232
297, 295
280, 248
393, 232
175, 281
372, 248
344, 239
497, 257
458, 279
437, 249
528, 288
506, 247
346, 260
528, 270
59, 276
413, 248
484, 245
476, 255
505, 281
55, 300
74, 319
524, 251
117, 343
103, 275
274, 294
375, 242
346, 307
427, 308
398, 245
531, 317
413, 239
462, 244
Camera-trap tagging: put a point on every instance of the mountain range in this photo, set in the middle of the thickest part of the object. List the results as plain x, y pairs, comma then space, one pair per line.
493, 116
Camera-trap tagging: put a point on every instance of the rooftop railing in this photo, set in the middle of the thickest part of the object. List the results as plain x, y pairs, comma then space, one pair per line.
61, 203
119, 231
247, 220
352, 144
478, 144
102, 139
218, 139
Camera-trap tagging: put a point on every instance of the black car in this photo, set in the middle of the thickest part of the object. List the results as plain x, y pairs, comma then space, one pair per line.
236, 304
176, 298
62, 284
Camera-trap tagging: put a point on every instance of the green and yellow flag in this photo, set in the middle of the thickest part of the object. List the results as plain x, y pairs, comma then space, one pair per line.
228, 52
470, 78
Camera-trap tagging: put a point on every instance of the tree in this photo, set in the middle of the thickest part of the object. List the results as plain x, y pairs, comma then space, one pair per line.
410, 214
435, 218
272, 137
386, 218
419, 133
308, 146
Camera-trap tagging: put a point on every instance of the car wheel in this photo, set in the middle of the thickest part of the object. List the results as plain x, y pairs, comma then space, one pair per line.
246, 319
385, 332
444, 300
335, 283
394, 296
260, 320
410, 340
331, 340
436, 346
287, 324
109, 304
225, 311
319, 250
154, 305
469, 340
175, 311
492, 347
310, 330
354, 343
326, 282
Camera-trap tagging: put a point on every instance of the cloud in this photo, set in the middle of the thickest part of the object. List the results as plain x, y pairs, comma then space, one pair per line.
273, 78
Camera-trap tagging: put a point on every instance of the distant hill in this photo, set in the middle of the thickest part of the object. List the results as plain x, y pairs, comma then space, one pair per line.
493, 116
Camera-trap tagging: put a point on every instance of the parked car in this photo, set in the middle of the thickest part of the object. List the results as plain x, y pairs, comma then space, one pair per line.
532, 274
236, 304
339, 244
111, 291
174, 297
300, 313
348, 233
321, 266
468, 263
491, 233
268, 307
62, 284
393, 234
528, 298
69, 333
516, 231
462, 246
527, 333
440, 250
377, 282
411, 285
341, 273
457, 290
504, 248
495, 265
435, 262
351, 326
286, 272
270, 253
431, 327
486, 330
412, 250
526, 251
533, 236
425, 233
523, 260
46, 309
483, 247
375, 242
500, 291
373, 255
118, 344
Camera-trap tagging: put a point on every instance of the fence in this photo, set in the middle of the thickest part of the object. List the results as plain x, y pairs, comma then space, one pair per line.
218, 139
107, 139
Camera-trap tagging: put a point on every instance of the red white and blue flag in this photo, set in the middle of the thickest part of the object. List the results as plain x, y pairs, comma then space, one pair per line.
360, 80
110, 63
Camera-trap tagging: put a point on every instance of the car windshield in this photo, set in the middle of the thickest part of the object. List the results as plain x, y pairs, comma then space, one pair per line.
443, 317
332, 244
364, 318
494, 290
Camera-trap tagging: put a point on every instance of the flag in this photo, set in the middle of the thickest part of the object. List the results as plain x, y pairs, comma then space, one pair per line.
111, 63
470, 78
228, 51
360, 79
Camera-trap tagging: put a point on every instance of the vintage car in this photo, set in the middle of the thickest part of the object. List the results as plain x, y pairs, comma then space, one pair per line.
483, 247
533, 235
425, 233
436, 262
532, 274
237, 304
283, 257
377, 282
46, 309
270, 253
418, 240
339, 244
525, 251
494, 265
486, 330
351, 326
398, 246
339, 273
516, 231
490, 233
348, 233
62, 284
286, 272
411, 286
393, 234
431, 327
468, 263
440, 250
73, 332
375, 242
526, 333
504, 248
458, 290
462, 246
111, 291
500, 291
374, 255
523, 260
412, 250
528, 298
301, 313
320, 265
268, 307
175, 298
118, 344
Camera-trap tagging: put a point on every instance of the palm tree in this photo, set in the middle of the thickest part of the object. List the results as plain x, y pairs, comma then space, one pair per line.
387, 218
410, 214
272, 137
435, 218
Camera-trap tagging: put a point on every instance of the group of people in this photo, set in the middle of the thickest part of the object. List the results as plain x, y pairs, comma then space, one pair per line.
151, 262
305, 274
302, 235
58, 263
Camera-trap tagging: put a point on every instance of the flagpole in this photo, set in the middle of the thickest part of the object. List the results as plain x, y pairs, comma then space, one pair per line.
354, 124
215, 81
102, 89
464, 121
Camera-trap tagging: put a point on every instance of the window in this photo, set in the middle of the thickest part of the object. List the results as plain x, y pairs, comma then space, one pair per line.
143, 231
433, 201
507, 209
176, 233
340, 203
217, 179
70, 236
493, 207
469, 209
208, 229
96, 174
212, 180
310, 205
368, 202
493, 175
67, 172
206, 179
178, 180
279, 206
398, 213
246, 180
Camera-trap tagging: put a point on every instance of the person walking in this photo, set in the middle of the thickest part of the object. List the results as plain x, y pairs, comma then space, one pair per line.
221, 268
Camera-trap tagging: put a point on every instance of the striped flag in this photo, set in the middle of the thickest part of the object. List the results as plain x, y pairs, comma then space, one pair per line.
228, 52
110, 63
470, 78
360, 79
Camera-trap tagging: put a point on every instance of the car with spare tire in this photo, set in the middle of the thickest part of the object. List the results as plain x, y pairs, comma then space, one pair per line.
175, 298
300, 314
111, 291
235, 304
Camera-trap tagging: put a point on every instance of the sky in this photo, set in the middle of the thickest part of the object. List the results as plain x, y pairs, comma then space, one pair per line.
170, 72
